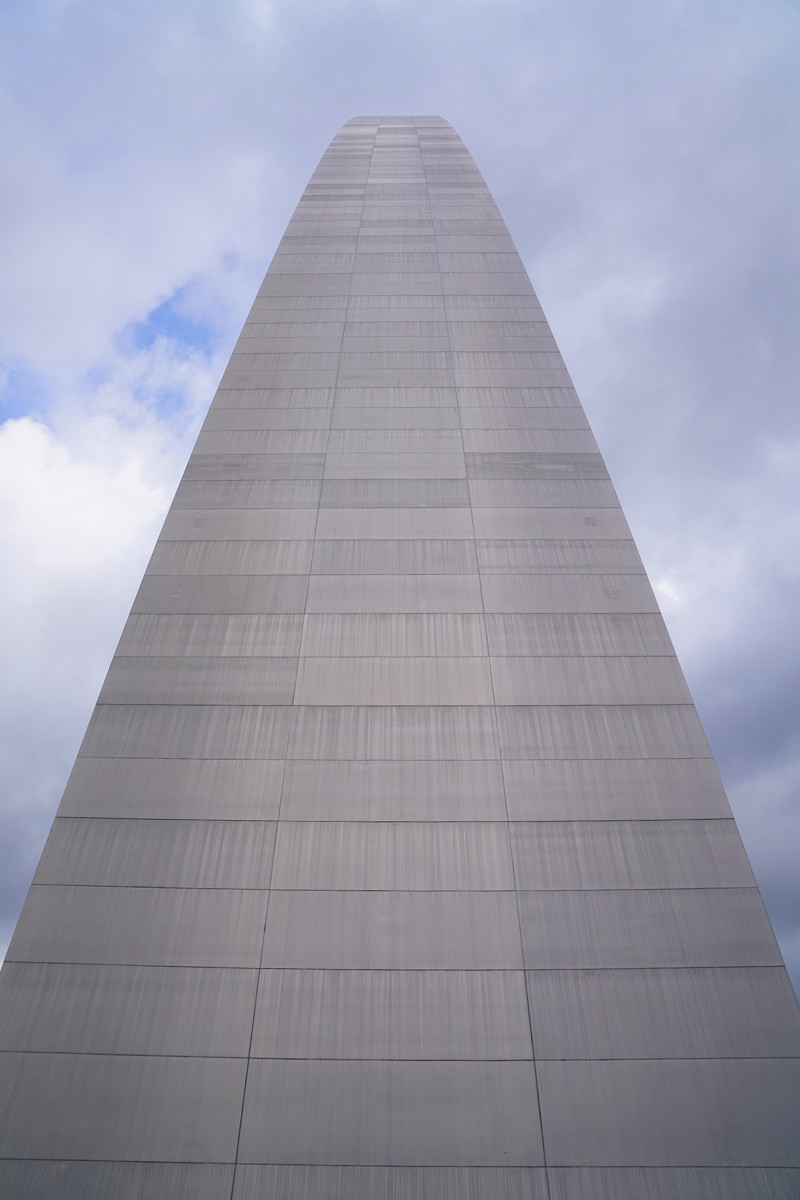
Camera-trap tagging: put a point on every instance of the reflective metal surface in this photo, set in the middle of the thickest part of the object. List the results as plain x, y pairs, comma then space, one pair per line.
394, 864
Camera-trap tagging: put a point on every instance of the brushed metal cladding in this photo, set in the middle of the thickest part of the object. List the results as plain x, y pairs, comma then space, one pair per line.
32, 1179
679, 1012
666, 1183
667, 1112
253, 1182
434, 1015
91, 1009
394, 863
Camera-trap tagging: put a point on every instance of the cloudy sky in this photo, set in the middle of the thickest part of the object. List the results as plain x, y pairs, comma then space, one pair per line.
646, 159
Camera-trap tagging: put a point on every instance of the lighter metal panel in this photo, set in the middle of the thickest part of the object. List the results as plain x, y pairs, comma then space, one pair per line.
197, 927
629, 854
601, 731
393, 594
433, 1015
569, 634
671, 1113
469, 790
213, 494
393, 681
260, 635
231, 558
512, 556
454, 635
531, 508
702, 1012
31, 1179
587, 680
87, 1009
376, 491
221, 594
370, 732
395, 418
395, 523
166, 788
568, 594
162, 853
190, 680
436, 465
76, 1106
664, 1183
432, 556
396, 1112
614, 789
389, 1183
392, 930
269, 522
187, 731
718, 927
399, 856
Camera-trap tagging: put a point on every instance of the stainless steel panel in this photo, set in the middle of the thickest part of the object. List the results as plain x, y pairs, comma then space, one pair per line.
702, 1012
165, 788
529, 441
394, 466
32, 1179
187, 680
470, 790
568, 594
511, 556
541, 508
254, 466
221, 594
187, 731
614, 789
267, 418
395, 523
213, 494
434, 1015
413, 856
392, 930
394, 634
601, 731
489, 416
369, 732
390, 557
665, 1183
398, 1112
569, 634
392, 441
231, 558
378, 491
395, 418
629, 854
393, 681
262, 441
391, 1183
182, 525
195, 927
671, 1113
156, 927
258, 634
717, 927
587, 680
162, 853
76, 1106
424, 396
86, 1009
393, 594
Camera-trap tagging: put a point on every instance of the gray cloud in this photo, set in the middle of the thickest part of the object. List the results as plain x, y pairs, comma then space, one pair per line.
645, 160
